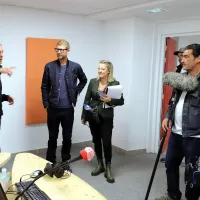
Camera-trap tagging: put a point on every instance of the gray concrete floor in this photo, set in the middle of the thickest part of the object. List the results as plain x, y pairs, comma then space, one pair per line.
132, 175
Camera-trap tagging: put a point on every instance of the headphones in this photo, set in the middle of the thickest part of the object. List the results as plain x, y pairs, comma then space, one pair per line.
58, 173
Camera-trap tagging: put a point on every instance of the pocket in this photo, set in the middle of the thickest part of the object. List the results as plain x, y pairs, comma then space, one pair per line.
194, 111
74, 79
50, 91
195, 99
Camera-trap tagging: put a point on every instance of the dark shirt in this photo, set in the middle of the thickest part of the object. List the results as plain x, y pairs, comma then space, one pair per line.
64, 101
179, 68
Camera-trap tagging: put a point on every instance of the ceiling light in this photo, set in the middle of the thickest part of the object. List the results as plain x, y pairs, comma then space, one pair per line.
157, 10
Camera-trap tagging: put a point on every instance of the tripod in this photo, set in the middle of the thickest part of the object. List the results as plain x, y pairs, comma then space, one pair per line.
155, 165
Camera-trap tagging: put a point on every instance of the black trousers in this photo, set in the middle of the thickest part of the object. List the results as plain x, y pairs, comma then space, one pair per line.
55, 117
102, 137
178, 148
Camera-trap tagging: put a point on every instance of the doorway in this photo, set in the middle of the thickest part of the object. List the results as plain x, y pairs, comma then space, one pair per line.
183, 39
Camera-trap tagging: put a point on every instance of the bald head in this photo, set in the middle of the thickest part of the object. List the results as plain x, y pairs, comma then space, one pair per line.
1, 54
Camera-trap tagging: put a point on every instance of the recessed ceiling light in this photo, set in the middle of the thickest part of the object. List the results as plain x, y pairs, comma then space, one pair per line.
157, 10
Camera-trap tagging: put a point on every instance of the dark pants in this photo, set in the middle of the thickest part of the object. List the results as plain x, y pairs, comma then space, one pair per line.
55, 117
0, 128
178, 148
102, 135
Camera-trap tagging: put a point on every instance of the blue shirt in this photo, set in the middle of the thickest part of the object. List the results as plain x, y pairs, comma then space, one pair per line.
64, 101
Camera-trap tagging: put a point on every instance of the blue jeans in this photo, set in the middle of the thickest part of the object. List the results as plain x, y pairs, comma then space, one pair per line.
178, 148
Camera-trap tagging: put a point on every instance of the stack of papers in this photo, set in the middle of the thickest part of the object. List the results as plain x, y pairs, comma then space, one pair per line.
115, 91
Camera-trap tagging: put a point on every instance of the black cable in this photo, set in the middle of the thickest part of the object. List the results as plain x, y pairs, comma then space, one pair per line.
66, 175
23, 176
15, 192
53, 169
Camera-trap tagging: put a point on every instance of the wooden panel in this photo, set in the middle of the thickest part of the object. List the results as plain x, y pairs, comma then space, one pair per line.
39, 51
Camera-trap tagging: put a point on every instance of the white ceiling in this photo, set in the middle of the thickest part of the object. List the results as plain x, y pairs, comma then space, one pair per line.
115, 9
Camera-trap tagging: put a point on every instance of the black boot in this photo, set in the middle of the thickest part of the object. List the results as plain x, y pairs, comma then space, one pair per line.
99, 169
108, 174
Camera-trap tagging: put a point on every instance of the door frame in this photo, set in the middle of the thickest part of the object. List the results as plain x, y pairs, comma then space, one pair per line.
156, 87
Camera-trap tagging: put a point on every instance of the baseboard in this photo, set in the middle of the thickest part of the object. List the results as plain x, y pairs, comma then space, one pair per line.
129, 152
88, 144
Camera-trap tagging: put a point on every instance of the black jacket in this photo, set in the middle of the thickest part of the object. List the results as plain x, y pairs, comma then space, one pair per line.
93, 99
179, 68
191, 111
3, 97
50, 82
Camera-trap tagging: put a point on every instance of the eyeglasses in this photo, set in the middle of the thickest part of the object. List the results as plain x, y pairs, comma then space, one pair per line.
61, 50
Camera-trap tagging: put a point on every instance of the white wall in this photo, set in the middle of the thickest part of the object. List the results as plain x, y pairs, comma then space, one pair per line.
129, 46
141, 82
186, 40
86, 39
127, 43
119, 49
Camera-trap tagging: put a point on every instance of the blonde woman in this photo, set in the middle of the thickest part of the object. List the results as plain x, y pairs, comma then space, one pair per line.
102, 131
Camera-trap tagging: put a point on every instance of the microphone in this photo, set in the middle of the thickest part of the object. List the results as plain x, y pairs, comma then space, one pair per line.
180, 81
86, 154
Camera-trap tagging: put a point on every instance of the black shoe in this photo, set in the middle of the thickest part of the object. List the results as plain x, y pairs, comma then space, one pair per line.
99, 169
108, 174
163, 160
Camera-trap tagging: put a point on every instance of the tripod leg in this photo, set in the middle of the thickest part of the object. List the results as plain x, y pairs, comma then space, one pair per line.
155, 165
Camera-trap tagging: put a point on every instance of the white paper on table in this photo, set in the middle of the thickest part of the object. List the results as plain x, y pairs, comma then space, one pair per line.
115, 91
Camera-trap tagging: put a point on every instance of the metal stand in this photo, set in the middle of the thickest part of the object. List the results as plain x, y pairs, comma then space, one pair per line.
155, 166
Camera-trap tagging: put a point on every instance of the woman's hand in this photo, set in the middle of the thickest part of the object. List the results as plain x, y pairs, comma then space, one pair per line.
105, 98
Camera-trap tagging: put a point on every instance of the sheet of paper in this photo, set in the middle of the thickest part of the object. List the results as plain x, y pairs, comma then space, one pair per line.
115, 91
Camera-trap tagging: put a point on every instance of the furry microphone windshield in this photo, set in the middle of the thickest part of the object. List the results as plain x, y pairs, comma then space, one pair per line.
180, 81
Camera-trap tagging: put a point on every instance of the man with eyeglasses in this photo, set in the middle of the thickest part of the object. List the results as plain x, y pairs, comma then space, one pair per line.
59, 94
